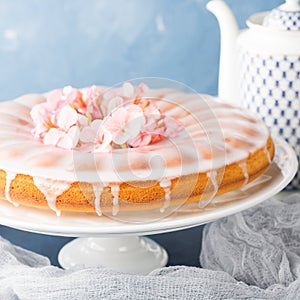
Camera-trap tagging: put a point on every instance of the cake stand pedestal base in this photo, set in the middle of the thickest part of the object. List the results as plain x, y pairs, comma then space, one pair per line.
130, 254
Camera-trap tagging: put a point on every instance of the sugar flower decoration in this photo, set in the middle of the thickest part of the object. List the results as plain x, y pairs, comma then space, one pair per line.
125, 123
65, 133
98, 120
95, 138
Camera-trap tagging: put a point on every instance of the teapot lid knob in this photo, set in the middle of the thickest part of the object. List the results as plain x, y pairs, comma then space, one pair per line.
285, 17
290, 5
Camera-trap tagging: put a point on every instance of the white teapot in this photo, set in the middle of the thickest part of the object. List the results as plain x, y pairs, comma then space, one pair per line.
260, 67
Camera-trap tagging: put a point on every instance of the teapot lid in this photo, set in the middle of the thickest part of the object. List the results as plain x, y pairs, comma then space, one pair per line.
285, 17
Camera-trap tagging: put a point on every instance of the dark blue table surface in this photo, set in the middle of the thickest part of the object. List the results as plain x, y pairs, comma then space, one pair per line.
182, 246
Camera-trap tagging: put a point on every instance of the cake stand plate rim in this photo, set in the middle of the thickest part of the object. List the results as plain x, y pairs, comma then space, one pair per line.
46, 222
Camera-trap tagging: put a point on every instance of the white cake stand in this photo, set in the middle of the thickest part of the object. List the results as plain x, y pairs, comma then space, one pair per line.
116, 243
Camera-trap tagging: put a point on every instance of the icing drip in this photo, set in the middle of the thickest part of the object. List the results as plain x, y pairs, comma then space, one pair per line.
115, 189
51, 189
212, 175
10, 176
267, 154
243, 166
98, 188
166, 185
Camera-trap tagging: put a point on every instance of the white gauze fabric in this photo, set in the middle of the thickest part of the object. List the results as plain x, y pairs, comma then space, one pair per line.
251, 255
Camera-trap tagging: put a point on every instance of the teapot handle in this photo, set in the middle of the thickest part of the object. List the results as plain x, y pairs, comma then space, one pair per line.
228, 89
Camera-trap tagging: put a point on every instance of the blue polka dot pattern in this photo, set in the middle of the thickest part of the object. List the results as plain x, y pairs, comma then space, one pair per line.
283, 20
271, 89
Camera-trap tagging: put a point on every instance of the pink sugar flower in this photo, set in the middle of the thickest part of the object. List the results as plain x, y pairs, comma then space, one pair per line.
85, 101
114, 103
91, 97
143, 139
128, 90
153, 117
65, 134
142, 90
62, 139
72, 118
131, 93
74, 99
42, 113
41, 117
95, 137
125, 123
55, 100
172, 127
156, 127
127, 93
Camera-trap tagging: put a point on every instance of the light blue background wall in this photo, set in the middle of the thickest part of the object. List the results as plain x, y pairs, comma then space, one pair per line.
46, 44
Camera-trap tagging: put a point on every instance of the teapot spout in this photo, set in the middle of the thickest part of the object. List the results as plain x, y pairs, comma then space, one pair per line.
228, 81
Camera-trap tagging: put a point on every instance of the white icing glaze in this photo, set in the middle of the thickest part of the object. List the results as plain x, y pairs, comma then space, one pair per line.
51, 189
267, 154
10, 176
115, 189
208, 126
243, 166
212, 175
98, 189
166, 185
